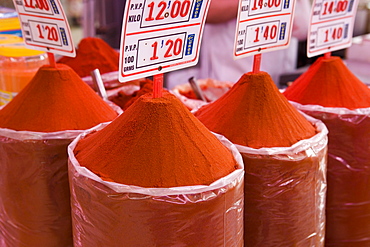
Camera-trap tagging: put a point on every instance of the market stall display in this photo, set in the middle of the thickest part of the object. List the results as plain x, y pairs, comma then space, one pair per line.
330, 92
35, 129
156, 176
92, 53
285, 162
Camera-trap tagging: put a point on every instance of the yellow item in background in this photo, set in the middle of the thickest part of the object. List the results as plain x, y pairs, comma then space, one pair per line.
9, 22
9, 39
18, 65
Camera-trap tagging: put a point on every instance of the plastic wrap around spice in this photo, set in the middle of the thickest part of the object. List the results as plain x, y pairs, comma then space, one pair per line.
284, 156
330, 92
92, 53
35, 129
156, 176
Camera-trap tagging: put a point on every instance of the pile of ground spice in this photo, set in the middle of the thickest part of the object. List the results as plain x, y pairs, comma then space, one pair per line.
156, 142
254, 113
92, 53
56, 99
280, 194
328, 82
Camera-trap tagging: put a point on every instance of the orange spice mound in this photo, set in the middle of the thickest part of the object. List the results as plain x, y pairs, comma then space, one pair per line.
92, 53
254, 113
56, 99
156, 142
329, 83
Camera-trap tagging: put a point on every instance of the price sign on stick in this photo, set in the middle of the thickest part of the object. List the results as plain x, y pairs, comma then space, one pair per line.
45, 27
331, 26
263, 25
159, 36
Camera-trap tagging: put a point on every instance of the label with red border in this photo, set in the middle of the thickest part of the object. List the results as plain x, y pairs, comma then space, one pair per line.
45, 26
160, 36
263, 26
331, 26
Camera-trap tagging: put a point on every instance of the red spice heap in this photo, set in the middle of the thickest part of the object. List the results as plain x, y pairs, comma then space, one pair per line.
56, 99
92, 53
329, 83
157, 142
254, 113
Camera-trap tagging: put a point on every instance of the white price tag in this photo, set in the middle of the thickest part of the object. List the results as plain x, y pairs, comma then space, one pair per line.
331, 26
45, 27
263, 25
159, 36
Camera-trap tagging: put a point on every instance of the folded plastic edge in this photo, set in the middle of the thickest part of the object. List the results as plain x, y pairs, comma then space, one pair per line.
236, 175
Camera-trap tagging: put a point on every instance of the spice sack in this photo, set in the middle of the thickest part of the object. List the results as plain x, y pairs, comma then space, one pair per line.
155, 176
35, 129
284, 155
330, 92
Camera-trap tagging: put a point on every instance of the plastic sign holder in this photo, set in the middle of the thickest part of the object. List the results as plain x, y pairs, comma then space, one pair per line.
45, 27
263, 26
331, 26
160, 36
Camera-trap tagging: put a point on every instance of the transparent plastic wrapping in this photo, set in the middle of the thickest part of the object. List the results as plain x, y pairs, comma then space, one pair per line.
34, 189
284, 193
111, 214
348, 194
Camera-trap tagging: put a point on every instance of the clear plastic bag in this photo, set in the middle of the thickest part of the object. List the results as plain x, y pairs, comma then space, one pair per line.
284, 192
111, 214
34, 189
348, 194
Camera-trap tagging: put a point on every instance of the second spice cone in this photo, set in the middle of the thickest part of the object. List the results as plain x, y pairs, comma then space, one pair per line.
285, 162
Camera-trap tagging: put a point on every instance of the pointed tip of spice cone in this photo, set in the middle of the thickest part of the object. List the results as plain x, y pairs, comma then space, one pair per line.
92, 53
329, 83
157, 142
254, 113
56, 99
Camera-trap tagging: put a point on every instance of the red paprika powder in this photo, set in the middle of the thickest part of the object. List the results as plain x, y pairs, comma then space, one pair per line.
174, 182
330, 92
284, 178
158, 144
56, 99
328, 82
35, 129
254, 113
92, 53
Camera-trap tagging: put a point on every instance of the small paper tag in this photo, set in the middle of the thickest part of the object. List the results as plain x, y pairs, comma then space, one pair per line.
263, 26
159, 36
45, 26
331, 26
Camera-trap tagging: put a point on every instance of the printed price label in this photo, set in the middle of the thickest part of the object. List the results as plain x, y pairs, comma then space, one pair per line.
159, 36
263, 25
45, 27
331, 26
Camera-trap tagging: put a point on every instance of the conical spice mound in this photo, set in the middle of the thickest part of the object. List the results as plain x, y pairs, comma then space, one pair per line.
56, 99
329, 83
92, 53
254, 113
156, 142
